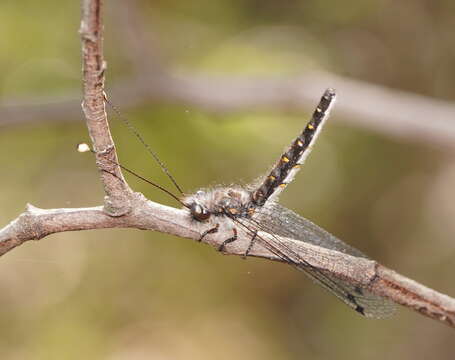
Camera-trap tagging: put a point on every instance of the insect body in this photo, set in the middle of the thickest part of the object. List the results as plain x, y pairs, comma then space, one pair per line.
253, 210
256, 210
240, 203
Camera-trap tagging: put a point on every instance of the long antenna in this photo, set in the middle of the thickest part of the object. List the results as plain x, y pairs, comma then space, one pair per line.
141, 139
83, 147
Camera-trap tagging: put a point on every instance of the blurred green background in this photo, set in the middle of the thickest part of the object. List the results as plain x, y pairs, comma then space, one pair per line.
126, 294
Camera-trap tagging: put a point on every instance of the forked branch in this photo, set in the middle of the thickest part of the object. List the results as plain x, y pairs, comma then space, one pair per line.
35, 224
126, 209
93, 65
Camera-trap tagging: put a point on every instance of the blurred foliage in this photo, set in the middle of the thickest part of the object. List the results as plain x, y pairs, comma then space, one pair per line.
125, 294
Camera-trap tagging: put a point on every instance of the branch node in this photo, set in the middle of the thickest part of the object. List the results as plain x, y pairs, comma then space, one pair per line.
117, 206
88, 37
102, 70
29, 208
29, 228
106, 150
86, 34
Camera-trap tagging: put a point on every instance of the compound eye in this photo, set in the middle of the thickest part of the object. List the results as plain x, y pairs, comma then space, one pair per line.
198, 212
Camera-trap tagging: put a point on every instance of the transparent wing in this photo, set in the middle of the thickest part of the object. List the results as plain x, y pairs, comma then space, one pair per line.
277, 220
358, 298
284, 222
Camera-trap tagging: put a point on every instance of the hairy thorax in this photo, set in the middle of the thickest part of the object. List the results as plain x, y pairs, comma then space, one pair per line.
233, 202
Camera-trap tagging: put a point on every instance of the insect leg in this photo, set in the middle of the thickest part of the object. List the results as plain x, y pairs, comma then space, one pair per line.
227, 241
250, 246
209, 231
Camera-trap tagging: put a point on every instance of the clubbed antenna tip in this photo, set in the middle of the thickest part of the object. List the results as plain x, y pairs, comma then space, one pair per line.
83, 147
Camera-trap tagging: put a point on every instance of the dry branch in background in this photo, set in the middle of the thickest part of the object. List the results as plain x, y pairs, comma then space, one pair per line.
126, 209
394, 113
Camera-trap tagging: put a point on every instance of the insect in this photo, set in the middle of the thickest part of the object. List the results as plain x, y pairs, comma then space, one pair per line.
255, 209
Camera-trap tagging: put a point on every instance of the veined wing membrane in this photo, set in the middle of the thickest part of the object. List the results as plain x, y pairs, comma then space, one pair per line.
278, 220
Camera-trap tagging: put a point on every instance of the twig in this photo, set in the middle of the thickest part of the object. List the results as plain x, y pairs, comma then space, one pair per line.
115, 186
36, 223
141, 213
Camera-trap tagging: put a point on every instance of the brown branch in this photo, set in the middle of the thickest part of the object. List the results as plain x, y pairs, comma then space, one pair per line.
140, 213
36, 223
91, 31
413, 295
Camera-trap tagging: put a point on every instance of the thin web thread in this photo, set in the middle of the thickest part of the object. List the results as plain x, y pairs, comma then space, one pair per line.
141, 139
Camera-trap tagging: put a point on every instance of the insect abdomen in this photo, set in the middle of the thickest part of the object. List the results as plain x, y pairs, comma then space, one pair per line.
288, 165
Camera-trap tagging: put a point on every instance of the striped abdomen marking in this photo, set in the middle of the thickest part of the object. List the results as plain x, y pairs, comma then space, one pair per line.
288, 165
